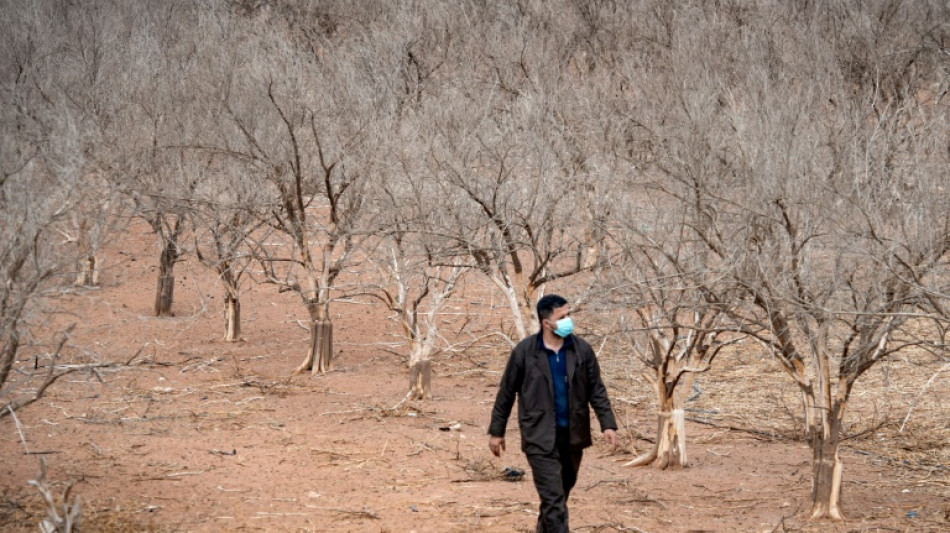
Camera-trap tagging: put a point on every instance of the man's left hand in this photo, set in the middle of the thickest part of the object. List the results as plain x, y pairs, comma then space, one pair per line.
610, 437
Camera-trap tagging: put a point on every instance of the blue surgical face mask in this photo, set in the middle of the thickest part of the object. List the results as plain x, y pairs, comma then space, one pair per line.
565, 327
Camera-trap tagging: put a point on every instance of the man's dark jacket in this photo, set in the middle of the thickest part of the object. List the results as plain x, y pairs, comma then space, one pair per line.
528, 375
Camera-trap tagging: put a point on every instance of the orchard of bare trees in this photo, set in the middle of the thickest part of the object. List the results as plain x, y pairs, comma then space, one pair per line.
693, 174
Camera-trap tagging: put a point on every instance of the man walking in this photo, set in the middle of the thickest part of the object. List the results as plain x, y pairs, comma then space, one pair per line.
556, 377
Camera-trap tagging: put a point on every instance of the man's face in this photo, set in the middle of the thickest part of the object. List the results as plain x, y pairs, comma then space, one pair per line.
558, 314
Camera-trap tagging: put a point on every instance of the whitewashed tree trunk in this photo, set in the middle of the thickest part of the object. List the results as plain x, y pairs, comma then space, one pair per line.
88, 268
511, 298
319, 358
88, 275
669, 451
232, 317
827, 470
420, 371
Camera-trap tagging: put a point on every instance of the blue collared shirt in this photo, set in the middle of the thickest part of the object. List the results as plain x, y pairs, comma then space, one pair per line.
558, 363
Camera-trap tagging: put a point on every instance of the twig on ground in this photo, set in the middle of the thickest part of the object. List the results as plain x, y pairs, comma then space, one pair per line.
222, 489
611, 525
500, 508
52, 375
364, 512
920, 394
421, 448
347, 412
717, 453
762, 434
621, 481
191, 473
324, 451
19, 429
402, 401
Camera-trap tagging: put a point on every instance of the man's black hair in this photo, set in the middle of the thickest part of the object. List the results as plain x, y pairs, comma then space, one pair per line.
548, 303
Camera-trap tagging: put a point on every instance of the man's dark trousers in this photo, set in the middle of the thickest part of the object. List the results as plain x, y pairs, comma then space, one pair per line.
554, 476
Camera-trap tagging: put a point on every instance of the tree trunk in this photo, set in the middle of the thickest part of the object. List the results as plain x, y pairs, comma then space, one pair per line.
164, 294
321, 345
88, 275
671, 447
514, 304
232, 303
232, 317
527, 299
593, 250
320, 355
811, 422
669, 452
827, 466
420, 373
7, 355
531, 323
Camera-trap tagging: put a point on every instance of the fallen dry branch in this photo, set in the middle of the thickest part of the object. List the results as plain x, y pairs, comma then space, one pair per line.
903, 463
268, 514
500, 509
187, 473
361, 513
52, 376
482, 470
616, 526
170, 477
642, 499
222, 489
621, 481
69, 520
379, 412
423, 447
764, 435
332, 453
923, 390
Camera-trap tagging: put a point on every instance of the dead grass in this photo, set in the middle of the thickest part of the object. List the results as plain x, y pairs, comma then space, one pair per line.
894, 414
25, 511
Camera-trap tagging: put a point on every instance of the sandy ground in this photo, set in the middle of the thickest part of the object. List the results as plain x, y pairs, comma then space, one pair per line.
203, 435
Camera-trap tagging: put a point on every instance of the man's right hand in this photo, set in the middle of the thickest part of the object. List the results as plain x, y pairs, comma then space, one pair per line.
497, 445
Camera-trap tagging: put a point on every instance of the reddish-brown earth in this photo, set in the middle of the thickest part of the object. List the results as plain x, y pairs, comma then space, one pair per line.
203, 435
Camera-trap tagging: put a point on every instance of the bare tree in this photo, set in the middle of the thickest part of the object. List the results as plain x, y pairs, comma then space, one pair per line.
42, 159
824, 247
672, 291
91, 224
87, 78
72, 82
227, 211
309, 117
161, 202
674, 309
163, 115
418, 286
419, 268
226, 205
515, 144
793, 138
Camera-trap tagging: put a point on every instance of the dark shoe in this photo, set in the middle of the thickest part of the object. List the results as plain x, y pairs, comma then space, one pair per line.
512, 474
